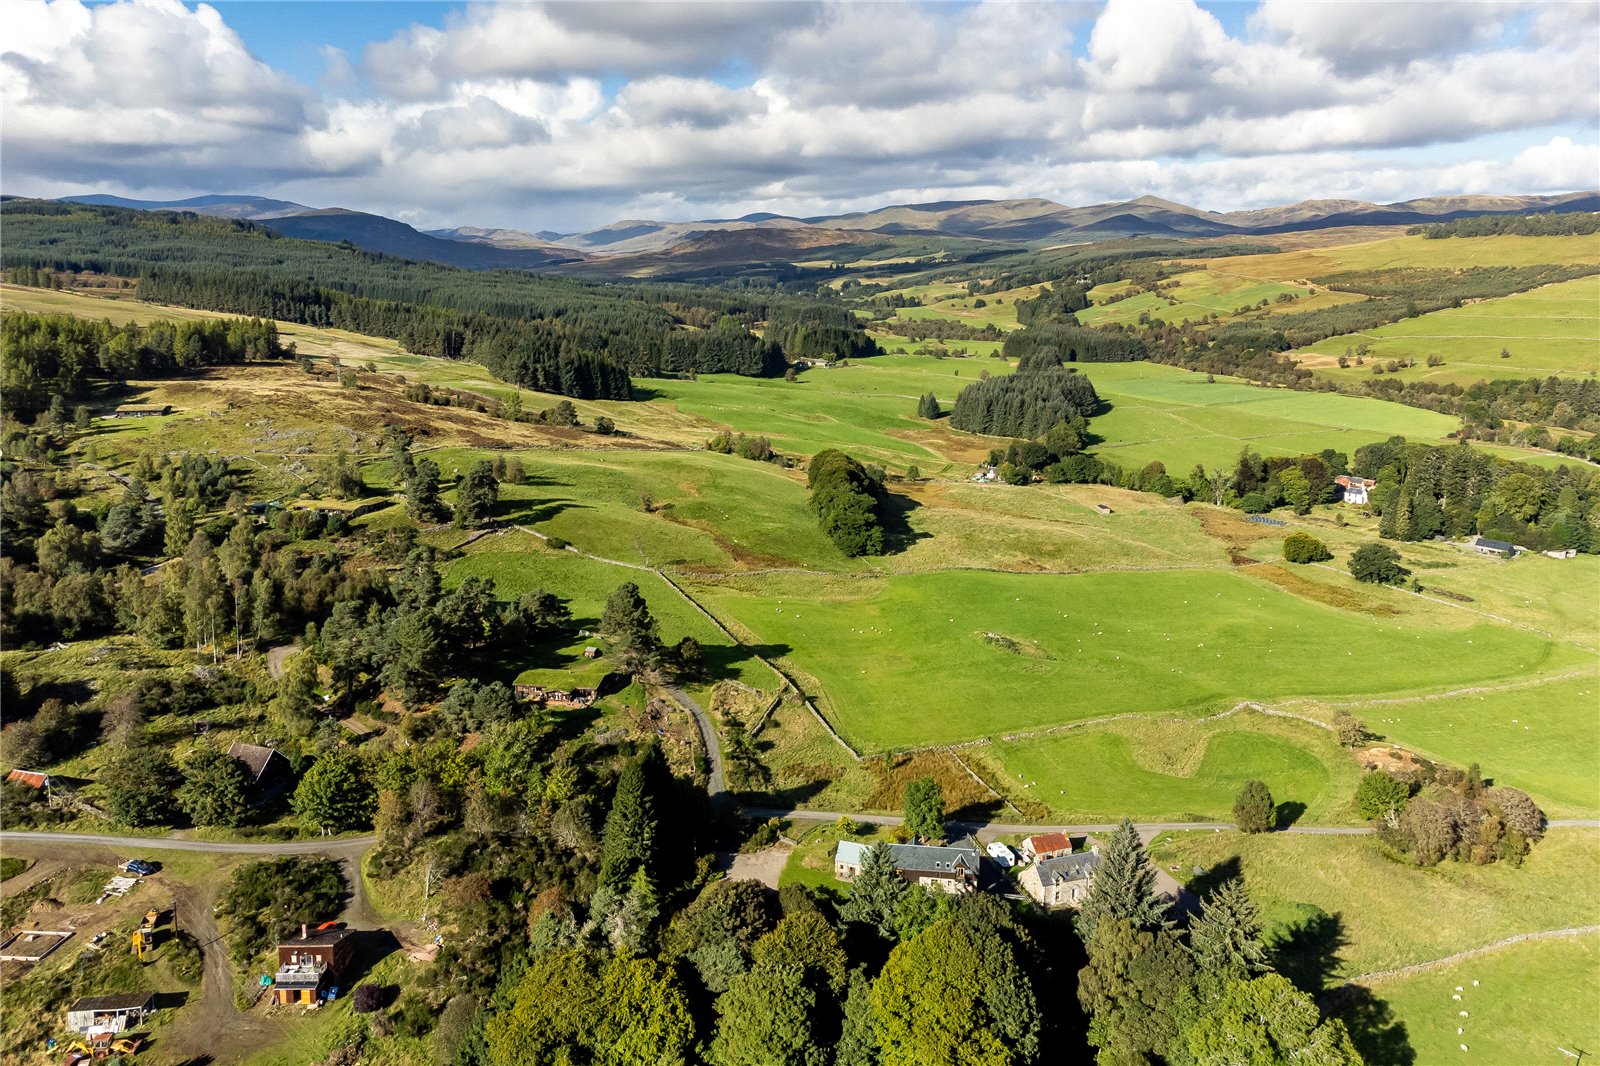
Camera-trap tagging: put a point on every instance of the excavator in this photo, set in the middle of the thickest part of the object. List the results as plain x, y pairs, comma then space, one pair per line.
100, 1046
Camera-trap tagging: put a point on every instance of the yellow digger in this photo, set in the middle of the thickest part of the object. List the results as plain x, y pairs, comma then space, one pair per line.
100, 1046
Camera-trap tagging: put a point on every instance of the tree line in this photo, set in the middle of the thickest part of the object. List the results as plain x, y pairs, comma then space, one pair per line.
1544, 224
58, 358
559, 335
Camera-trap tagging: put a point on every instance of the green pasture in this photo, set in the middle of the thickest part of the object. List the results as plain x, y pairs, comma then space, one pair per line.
520, 565
1163, 413
1165, 769
696, 510
918, 659
1198, 294
1380, 913
1554, 330
1523, 1003
1543, 738
1448, 253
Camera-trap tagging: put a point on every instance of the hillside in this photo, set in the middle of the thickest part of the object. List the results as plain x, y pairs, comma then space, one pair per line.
642, 247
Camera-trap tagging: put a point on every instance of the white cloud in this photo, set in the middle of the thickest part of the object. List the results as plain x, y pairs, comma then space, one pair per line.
562, 115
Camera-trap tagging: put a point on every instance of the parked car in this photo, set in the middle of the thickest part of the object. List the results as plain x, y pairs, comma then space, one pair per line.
139, 867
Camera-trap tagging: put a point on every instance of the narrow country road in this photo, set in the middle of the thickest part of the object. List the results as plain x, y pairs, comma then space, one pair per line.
336, 846
716, 784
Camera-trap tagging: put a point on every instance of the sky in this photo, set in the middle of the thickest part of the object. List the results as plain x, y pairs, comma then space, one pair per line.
566, 116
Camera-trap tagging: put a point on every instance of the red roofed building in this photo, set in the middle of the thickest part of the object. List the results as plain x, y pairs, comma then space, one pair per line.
1046, 846
1355, 488
30, 778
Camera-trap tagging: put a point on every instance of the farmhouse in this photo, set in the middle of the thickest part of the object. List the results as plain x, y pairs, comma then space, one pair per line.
987, 473
1046, 846
141, 411
115, 1014
1062, 881
309, 965
952, 869
267, 767
1485, 546
1354, 489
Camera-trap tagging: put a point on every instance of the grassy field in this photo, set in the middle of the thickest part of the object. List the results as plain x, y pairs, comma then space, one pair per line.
517, 564
1523, 1002
1382, 913
1167, 414
1550, 330
1453, 252
1156, 412
1197, 294
1163, 769
1020, 652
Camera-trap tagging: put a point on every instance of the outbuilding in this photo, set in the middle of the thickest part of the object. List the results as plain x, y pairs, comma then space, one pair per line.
113, 1014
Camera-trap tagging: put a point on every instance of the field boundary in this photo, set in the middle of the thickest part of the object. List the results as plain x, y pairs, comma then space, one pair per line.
666, 579
1378, 976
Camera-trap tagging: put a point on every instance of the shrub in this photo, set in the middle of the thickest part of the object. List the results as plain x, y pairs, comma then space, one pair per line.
1254, 503
1381, 794
1304, 548
368, 998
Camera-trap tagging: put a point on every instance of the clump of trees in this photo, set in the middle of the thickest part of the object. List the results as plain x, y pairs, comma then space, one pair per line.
1153, 995
846, 497
265, 902
51, 355
928, 407
1024, 404
1377, 564
745, 446
1435, 813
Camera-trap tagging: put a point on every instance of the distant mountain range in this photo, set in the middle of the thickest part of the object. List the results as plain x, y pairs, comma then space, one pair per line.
374, 233
642, 247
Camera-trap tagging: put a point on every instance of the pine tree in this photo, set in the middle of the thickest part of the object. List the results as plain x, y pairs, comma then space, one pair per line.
477, 494
928, 407
422, 492
627, 621
1225, 939
629, 839
876, 891
1123, 886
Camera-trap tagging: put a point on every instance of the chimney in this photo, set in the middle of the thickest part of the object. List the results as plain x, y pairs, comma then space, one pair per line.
305, 933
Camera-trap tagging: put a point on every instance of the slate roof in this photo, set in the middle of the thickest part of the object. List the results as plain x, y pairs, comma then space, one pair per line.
255, 758
1493, 545
124, 1001
927, 858
323, 939
1065, 868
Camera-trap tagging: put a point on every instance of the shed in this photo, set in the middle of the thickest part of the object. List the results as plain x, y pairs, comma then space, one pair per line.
35, 779
1103, 508
110, 1013
1486, 546
1046, 846
266, 766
